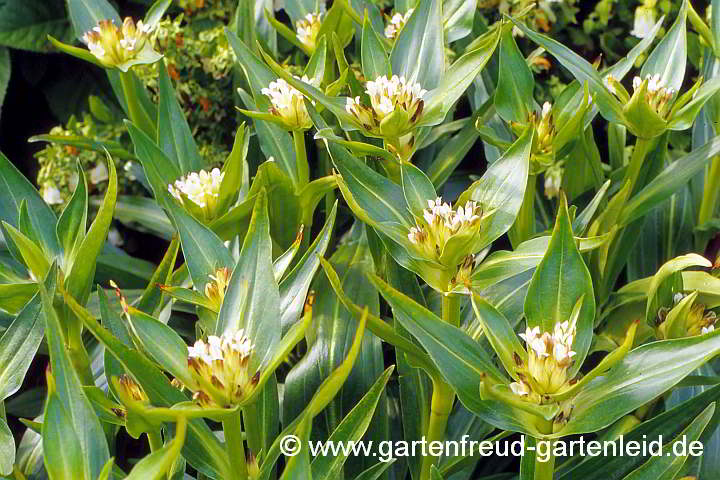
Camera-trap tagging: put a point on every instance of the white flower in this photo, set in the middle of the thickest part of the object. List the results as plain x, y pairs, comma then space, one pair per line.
201, 188
644, 22
708, 329
546, 109
288, 104
115, 238
397, 22
219, 368
52, 196
121, 47
308, 28
608, 81
99, 173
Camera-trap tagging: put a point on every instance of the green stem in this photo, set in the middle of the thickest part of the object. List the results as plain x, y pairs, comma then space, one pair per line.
642, 146
524, 225
234, 444
443, 395
544, 470
138, 115
301, 161
155, 440
440, 407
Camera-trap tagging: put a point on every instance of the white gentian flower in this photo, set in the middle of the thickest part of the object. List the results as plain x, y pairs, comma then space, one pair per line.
99, 173
397, 22
201, 188
219, 368
52, 196
308, 28
644, 21
287, 103
121, 47
115, 238
709, 329
386, 96
519, 388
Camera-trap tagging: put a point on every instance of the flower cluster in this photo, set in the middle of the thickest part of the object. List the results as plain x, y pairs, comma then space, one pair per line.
286, 102
651, 90
202, 189
215, 289
220, 370
308, 28
442, 222
699, 319
549, 356
396, 104
397, 22
121, 47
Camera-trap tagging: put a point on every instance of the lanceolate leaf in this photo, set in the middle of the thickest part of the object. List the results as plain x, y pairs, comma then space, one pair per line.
514, 93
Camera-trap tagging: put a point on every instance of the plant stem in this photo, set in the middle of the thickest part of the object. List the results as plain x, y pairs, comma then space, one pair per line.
301, 161
524, 225
155, 440
440, 407
138, 115
443, 395
76, 350
642, 146
544, 470
234, 444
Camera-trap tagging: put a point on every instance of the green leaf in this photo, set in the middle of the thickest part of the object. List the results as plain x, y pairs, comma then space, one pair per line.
668, 281
30, 254
667, 465
559, 283
69, 391
26, 25
202, 449
419, 50
72, 223
645, 373
418, 189
151, 299
252, 300
80, 278
163, 344
669, 57
159, 462
62, 450
352, 428
670, 180
375, 62
7, 448
85, 14
514, 92
315, 68
14, 188
374, 472
14, 296
501, 190
458, 16
174, 136
20, 342
156, 11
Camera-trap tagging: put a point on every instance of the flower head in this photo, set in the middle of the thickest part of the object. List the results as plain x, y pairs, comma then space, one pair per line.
220, 370
308, 28
440, 222
287, 103
199, 190
397, 22
121, 46
549, 357
396, 105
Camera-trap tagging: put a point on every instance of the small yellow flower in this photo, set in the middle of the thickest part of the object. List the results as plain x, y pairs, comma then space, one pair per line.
220, 370
308, 28
121, 47
131, 390
216, 288
287, 103
397, 22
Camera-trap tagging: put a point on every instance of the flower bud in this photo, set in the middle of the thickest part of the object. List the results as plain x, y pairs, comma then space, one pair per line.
215, 289
130, 390
553, 180
644, 21
121, 47
287, 103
